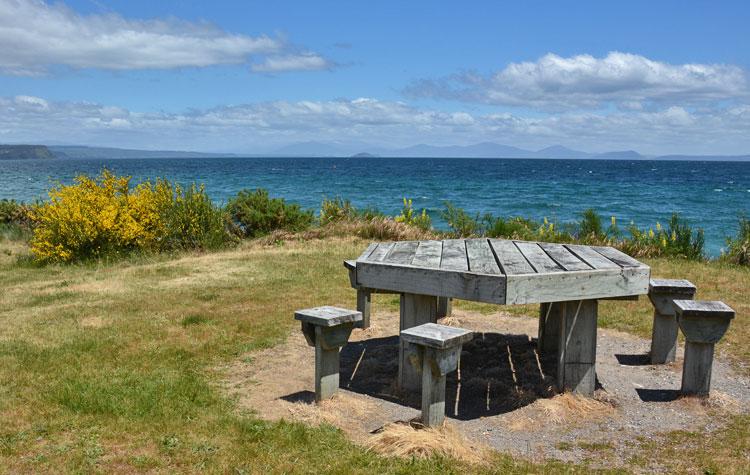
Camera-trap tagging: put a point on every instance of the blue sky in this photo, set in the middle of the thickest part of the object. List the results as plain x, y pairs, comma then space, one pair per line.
657, 77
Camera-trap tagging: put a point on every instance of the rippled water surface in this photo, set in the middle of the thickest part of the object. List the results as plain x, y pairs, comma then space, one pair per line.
710, 195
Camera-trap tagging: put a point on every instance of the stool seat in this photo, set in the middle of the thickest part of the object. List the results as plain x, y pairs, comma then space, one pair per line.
671, 286
437, 336
703, 308
327, 316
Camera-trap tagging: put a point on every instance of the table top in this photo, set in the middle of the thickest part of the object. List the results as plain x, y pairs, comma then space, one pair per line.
501, 271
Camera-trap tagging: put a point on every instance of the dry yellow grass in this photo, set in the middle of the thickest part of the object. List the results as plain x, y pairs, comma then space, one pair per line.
403, 439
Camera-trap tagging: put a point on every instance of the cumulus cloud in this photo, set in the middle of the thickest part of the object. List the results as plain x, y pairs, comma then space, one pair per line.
553, 82
35, 36
260, 127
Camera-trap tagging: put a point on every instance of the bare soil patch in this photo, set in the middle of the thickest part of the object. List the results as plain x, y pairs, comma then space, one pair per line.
502, 397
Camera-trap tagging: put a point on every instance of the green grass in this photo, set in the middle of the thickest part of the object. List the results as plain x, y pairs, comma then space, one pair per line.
116, 367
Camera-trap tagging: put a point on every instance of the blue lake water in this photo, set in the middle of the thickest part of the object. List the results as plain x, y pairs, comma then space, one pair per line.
711, 195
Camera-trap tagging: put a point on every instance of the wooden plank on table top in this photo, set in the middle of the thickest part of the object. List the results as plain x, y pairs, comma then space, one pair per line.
617, 256
428, 254
438, 282
402, 252
380, 252
564, 257
591, 257
481, 257
510, 258
366, 253
454, 255
577, 285
537, 257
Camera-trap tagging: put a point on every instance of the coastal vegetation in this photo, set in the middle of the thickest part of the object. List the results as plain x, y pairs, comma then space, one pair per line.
108, 216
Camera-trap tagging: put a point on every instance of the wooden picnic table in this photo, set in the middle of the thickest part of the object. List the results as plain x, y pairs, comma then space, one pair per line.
566, 279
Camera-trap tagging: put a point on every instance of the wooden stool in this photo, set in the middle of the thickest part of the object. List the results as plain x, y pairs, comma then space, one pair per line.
703, 323
662, 292
327, 329
438, 350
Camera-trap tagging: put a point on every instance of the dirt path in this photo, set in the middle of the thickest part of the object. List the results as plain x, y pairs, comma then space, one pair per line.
502, 396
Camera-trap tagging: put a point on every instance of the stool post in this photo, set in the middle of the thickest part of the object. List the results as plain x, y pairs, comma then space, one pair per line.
437, 350
696, 370
327, 329
662, 293
433, 391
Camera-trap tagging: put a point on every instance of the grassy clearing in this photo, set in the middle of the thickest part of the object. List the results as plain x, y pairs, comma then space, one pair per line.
115, 367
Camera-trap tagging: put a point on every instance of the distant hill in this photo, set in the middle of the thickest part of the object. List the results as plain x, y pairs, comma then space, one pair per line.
25, 152
480, 150
79, 151
364, 155
623, 155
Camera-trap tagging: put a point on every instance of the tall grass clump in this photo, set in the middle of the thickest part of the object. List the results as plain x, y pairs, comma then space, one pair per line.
738, 248
255, 214
677, 239
411, 218
106, 216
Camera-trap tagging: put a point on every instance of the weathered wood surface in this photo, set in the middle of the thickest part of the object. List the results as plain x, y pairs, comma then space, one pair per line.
415, 310
661, 293
364, 306
428, 254
433, 393
703, 308
437, 282
501, 271
550, 315
327, 316
576, 354
454, 255
481, 258
696, 368
564, 257
436, 336
444, 307
510, 258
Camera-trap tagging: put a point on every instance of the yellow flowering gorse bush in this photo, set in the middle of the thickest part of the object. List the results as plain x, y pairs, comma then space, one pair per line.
103, 216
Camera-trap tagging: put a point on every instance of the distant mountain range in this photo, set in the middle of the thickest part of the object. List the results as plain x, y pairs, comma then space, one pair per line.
323, 149
480, 150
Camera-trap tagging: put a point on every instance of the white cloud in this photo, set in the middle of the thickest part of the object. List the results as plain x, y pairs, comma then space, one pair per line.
261, 127
35, 36
557, 83
292, 62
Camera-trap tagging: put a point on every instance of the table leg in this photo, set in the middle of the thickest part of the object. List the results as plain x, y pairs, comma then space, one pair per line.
444, 307
415, 310
550, 315
576, 362
364, 302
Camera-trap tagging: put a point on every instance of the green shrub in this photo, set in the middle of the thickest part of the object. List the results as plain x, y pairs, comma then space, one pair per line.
738, 248
14, 213
460, 222
193, 221
590, 225
255, 214
509, 228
